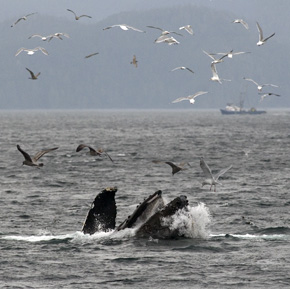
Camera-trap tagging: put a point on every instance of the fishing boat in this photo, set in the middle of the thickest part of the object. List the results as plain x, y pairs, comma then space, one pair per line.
239, 109
233, 109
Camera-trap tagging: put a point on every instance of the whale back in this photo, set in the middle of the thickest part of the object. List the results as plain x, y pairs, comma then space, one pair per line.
103, 212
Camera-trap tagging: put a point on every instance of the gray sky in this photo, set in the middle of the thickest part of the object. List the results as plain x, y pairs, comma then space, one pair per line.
110, 76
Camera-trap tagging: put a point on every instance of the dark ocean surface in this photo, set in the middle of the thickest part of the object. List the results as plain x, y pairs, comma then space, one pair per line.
237, 237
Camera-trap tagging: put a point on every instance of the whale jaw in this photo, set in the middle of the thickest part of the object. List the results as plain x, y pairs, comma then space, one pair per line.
102, 215
143, 211
156, 228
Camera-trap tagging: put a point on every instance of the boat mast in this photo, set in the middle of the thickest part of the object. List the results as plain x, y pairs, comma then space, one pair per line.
243, 96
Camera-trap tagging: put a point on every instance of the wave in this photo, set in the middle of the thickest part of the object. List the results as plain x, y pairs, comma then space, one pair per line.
257, 237
275, 230
75, 237
79, 237
38, 238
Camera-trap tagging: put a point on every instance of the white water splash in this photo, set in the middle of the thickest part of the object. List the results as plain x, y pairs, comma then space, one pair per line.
191, 222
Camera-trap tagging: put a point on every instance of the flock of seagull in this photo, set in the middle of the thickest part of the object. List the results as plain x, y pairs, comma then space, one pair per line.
164, 37
210, 179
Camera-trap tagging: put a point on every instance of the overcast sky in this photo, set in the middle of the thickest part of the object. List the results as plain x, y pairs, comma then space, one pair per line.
101, 9
269, 63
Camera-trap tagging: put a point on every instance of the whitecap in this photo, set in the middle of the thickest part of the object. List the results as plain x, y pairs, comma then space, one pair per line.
254, 236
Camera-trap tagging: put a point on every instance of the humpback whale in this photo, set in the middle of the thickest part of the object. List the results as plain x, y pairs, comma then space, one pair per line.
148, 218
103, 212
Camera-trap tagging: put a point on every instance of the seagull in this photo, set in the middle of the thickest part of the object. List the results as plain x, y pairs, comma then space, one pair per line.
187, 28
267, 94
175, 168
166, 38
231, 53
33, 76
90, 55
124, 27
31, 51
261, 39
191, 98
92, 151
32, 161
43, 38
182, 68
58, 35
209, 178
78, 17
260, 86
134, 61
49, 37
215, 76
22, 18
170, 41
245, 24
215, 61
164, 32
246, 152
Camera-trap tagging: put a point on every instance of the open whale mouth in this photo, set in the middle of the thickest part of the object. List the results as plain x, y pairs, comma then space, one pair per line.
146, 219
156, 227
143, 211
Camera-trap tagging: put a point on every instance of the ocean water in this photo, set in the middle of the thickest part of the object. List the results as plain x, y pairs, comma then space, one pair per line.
236, 237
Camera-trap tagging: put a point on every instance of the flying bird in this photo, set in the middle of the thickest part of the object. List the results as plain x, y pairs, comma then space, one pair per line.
246, 152
215, 76
182, 68
78, 17
191, 98
187, 28
215, 61
32, 161
163, 31
124, 27
209, 178
262, 40
175, 168
58, 35
167, 39
31, 51
93, 152
134, 61
260, 86
264, 95
43, 38
92, 54
231, 53
241, 21
49, 37
33, 76
22, 18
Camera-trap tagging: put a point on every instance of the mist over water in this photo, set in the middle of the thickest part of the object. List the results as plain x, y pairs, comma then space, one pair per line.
236, 237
